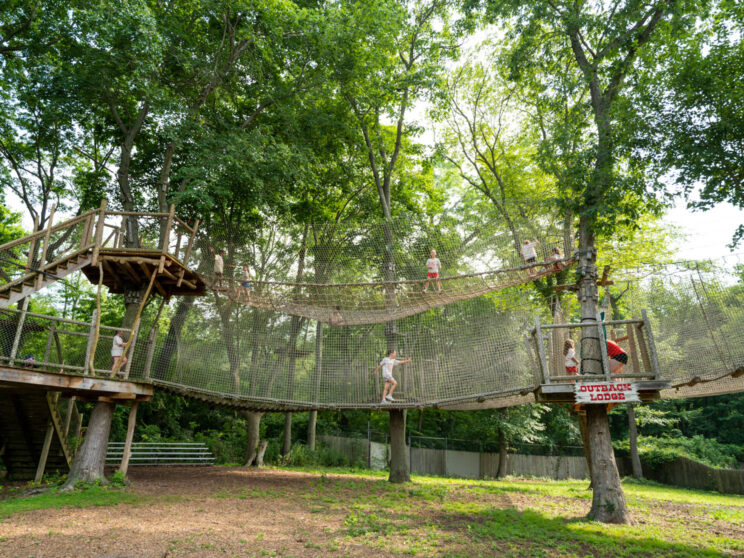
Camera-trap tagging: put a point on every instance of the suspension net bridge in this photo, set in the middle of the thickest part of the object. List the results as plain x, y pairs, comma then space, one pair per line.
307, 325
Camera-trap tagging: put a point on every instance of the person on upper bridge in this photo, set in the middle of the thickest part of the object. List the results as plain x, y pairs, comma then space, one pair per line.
387, 364
219, 267
245, 284
557, 256
433, 266
530, 255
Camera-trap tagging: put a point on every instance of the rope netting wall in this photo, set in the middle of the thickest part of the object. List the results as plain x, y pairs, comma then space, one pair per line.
361, 276
323, 304
697, 317
464, 352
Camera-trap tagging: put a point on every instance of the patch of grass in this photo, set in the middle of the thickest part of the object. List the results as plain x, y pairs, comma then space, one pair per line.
54, 499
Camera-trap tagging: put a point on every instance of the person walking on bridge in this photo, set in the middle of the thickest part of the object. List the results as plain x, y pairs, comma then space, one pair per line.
387, 365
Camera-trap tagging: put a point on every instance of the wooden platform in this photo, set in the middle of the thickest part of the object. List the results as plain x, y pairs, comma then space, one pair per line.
129, 269
648, 390
83, 387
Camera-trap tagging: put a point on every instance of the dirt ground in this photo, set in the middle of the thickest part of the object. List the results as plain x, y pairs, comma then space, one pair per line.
221, 511
197, 512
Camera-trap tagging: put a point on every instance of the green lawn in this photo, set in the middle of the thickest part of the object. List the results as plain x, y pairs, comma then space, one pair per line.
450, 517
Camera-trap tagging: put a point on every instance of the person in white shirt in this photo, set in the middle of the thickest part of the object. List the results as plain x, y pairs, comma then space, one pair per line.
529, 254
117, 350
572, 363
219, 267
387, 365
433, 266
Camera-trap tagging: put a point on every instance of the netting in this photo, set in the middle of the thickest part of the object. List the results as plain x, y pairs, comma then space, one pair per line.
321, 305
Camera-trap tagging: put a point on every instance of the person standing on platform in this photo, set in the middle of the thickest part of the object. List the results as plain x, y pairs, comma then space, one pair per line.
219, 267
117, 350
433, 266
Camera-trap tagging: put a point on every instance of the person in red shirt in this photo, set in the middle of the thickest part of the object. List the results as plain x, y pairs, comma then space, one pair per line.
618, 357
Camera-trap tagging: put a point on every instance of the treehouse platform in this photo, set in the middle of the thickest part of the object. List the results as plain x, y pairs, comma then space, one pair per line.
121, 250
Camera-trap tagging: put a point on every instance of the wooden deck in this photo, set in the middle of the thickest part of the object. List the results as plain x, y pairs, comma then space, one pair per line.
127, 269
86, 388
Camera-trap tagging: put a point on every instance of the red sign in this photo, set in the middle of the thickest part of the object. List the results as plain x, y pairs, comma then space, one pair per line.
606, 392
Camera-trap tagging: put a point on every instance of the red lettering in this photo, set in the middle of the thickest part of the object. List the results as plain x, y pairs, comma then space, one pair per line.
621, 396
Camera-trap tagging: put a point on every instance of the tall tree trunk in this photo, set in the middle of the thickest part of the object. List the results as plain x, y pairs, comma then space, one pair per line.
608, 503
91, 457
287, 436
312, 423
503, 455
633, 438
254, 435
608, 500
399, 466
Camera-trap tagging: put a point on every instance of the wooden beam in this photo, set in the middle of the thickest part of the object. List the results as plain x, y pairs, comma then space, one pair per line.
160, 289
132, 273
112, 273
44, 452
71, 383
124, 465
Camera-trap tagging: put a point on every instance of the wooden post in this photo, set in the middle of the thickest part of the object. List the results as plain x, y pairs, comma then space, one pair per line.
45, 245
151, 342
128, 366
541, 350
44, 452
50, 340
68, 415
635, 366
122, 234
135, 325
124, 465
651, 345
19, 332
603, 349
166, 237
99, 231
32, 244
531, 354
85, 237
92, 342
643, 347
187, 255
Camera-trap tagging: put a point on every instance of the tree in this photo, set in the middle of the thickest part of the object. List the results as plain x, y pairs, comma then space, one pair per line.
382, 82
692, 112
604, 42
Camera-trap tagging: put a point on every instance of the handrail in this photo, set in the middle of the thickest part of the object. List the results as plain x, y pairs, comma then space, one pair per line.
40, 234
63, 320
412, 281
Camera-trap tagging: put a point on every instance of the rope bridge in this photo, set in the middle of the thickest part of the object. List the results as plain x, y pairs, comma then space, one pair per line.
280, 345
348, 304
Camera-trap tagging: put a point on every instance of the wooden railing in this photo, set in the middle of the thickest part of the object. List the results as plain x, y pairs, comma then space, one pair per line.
59, 344
31, 256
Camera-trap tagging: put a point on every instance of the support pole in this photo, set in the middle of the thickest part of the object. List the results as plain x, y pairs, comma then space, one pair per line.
68, 415
19, 332
151, 342
651, 345
92, 341
99, 231
135, 326
50, 341
635, 366
44, 452
45, 247
603, 348
166, 237
541, 350
124, 465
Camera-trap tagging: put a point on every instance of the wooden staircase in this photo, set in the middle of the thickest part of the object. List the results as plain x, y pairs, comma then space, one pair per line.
30, 422
11, 293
